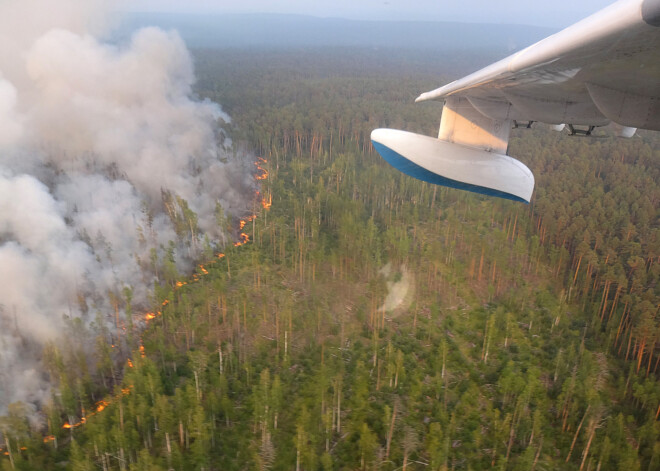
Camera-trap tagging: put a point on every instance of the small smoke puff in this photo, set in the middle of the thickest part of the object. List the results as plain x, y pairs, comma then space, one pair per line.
400, 289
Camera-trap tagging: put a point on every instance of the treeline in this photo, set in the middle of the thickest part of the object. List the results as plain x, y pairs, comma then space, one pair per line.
378, 322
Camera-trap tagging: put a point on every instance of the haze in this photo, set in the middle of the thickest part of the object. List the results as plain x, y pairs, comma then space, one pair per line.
559, 13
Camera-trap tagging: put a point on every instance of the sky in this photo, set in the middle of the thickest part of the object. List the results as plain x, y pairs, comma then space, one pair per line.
557, 13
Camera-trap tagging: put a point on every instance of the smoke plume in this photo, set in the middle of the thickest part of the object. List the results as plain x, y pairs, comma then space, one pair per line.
105, 157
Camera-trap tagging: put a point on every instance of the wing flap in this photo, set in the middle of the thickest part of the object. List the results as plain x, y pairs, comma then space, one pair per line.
558, 112
625, 108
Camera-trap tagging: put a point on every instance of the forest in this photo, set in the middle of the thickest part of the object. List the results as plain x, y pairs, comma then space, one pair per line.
366, 320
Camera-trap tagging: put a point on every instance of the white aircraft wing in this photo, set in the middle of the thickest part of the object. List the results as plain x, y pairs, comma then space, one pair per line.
604, 69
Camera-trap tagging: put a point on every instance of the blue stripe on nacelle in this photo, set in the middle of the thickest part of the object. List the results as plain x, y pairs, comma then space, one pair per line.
404, 165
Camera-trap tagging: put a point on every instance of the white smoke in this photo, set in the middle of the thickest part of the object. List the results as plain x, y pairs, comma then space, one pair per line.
95, 138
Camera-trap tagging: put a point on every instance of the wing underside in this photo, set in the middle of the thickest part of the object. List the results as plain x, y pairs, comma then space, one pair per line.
604, 69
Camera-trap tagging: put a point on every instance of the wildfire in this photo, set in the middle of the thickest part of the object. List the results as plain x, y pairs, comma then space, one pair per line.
263, 173
68, 426
98, 407
244, 238
266, 204
152, 315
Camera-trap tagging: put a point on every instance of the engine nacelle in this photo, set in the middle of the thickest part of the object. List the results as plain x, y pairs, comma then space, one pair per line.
454, 165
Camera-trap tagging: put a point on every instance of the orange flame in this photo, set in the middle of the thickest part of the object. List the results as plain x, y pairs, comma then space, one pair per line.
149, 315
267, 204
99, 406
244, 238
49, 438
263, 172
130, 363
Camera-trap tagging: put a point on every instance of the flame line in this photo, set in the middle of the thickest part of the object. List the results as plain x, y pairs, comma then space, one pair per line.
148, 316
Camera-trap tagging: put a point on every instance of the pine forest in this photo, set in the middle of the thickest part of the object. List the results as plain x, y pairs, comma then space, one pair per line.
364, 320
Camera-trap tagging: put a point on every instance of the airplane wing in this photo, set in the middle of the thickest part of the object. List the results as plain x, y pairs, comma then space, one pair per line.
604, 69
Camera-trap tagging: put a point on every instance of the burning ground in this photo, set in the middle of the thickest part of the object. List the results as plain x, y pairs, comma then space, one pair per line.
109, 170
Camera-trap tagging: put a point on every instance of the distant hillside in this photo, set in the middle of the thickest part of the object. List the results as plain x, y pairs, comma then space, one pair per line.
284, 31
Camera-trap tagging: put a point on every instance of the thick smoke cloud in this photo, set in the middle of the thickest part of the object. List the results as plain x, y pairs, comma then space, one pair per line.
102, 147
